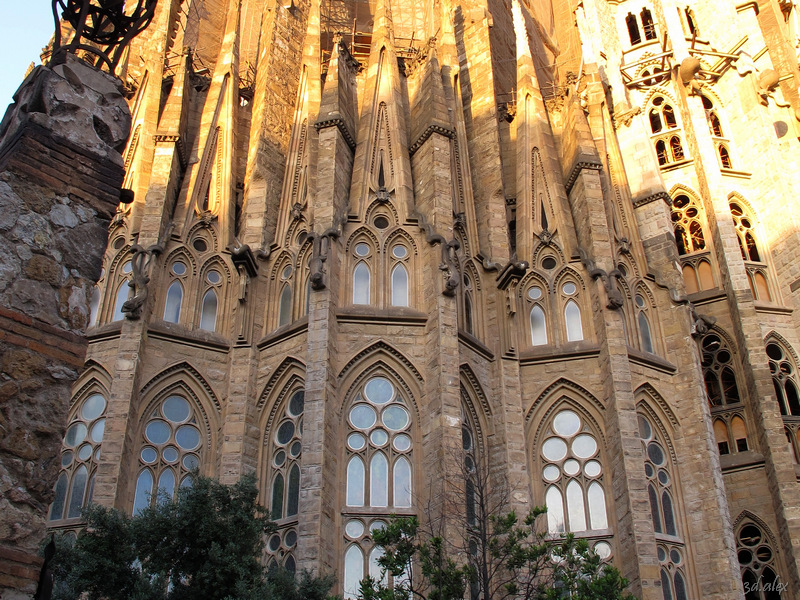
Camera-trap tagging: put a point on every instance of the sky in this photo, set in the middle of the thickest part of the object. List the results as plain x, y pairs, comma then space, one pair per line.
25, 28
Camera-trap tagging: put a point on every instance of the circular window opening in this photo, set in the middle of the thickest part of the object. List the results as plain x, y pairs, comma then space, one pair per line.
381, 222
214, 277
362, 249
118, 243
178, 268
549, 263
200, 245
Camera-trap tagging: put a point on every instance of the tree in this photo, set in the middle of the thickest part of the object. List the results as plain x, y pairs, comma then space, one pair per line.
206, 544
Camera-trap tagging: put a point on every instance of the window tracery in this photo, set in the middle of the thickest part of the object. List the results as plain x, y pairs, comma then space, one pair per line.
686, 220
661, 494
124, 292
573, 476
572, 312
718, 371
646, 334
174, 299
171, 448
666, 133
285, 301
284, 495
398, 266
757, 563
80, 454
362, 274
212, 290
378, 473
784, 379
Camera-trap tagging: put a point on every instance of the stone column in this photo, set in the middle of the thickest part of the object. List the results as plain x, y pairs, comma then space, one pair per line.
60, 178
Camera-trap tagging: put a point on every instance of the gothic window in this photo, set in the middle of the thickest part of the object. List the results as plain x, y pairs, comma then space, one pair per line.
171, 448
398, 262
793, 442
468, 444
361, 274
757, 563
172, 306
784, 379
285, 302
745, 233
538, 321
124, 292
718, 371
648, 25
573, 476
94, 304
730, 434
724, 157
210, 304
572, 312
663, 124
378, 474
284, 496
712, 117
633, 29
661, 493
643, 323
469, 301
79, 457
686, 221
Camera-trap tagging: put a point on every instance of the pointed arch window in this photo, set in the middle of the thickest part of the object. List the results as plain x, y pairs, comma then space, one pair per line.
632, 25
378, 473
537, 316
285, 308
689, 235
94, 305
663, 509
643, 323
666, 136
171, 449
784, 379
80, 453
573, 476
123, 293
399, 285
172, 306
718, 371
469, 297
757, 562
572, 312
286, 448
209, 307
743, 223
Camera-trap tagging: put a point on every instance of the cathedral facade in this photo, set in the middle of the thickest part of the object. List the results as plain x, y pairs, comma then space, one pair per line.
371, 238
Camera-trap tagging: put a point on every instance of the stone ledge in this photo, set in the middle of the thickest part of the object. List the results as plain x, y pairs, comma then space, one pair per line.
284, 333
475, 345
173, 332
651, 361
565, 352
382, 316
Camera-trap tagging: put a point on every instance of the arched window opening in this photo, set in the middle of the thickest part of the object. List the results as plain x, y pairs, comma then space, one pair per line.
669, 116
792, 440
648, 25
724, 157
172, 306
739, 434
718, 371
208, 311
716, 126
757, 563
572, 317
744, 230
123, 293
94, 306
538, 326
689, 235
784, 379
689, 274
644, 332
171, 448
573, 474
468, 318
676, 148
761, 287
705, 274
633, 29
399, 286
379, 474
80, 453
721, 436
661, 152
690, 22
655, 121
361, 283
285, 306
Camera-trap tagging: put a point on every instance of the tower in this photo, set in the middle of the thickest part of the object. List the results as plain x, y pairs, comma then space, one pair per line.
558, 235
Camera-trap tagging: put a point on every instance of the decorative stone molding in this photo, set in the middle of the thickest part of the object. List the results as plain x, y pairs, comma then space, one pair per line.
639, 202
578, 169
179, 146
429, 131
342, 126
625, 118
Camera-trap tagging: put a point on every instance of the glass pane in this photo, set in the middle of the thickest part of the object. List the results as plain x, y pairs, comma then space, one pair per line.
555, 510
402, 483
356, 441
144, 488
597, 507
354, 528
166, 485
680, 587
285, 432
554, 449
361, 284
297, 403
93, 407
402, 442
176, 409
94, 306
157, 432
572, 316
208, 315
98, 429
666, 587
353, 571
575, 507
644, 331
395, 418
654, 510
379, 390
293, 500
538, 327
285, 311
172, 307
379, 481
399, 286
122, 295
188, 437
277, 497
375, 568
584, 446
57, 509
75, 435
566, 423
669, 516
355, 482
363, 416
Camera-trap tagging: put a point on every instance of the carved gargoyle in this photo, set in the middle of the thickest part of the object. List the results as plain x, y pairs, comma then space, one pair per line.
701, 323
141, 262
615, 297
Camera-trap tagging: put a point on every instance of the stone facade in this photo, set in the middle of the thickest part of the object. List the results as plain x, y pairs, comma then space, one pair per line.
518, 216
60, 177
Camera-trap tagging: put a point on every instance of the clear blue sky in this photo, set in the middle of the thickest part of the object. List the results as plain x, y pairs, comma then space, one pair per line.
25, 28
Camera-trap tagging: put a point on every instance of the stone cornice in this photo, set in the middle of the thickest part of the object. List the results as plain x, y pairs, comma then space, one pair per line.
178, 141
429, 131
340, 124
652, 198
576, 171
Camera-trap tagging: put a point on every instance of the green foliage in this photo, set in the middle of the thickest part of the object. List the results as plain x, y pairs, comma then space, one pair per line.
206, 544
522, 561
